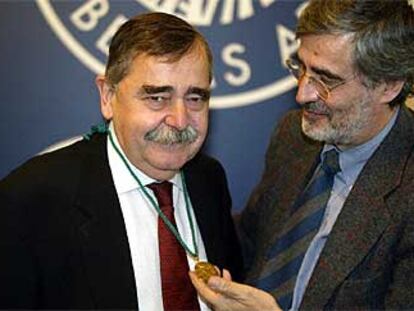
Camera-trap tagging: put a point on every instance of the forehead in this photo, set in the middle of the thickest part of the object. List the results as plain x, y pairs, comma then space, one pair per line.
191, 69
333, 52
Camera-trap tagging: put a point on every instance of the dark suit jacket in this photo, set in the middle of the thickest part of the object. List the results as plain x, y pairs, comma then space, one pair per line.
62, 235
368, 260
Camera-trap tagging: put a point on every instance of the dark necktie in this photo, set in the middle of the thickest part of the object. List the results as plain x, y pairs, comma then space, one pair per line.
285, 257
177, 291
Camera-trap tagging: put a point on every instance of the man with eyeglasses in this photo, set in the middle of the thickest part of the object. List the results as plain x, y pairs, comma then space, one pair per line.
331, 224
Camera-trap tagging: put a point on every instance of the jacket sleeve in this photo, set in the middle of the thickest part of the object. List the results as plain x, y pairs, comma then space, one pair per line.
17, 267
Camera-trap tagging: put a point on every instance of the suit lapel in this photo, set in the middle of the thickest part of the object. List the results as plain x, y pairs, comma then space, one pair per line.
301, 160
364, 216
105, 246
294, 163
201, 201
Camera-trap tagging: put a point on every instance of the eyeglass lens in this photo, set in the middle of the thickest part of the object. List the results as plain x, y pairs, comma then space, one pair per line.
299, 72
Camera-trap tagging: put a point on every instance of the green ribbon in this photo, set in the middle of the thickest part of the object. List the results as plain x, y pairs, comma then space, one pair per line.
170, 226
100, 128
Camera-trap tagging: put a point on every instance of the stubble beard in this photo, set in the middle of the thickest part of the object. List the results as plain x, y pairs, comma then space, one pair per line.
340, 126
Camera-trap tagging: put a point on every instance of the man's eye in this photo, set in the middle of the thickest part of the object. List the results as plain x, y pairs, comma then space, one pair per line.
156, 101
329, 82
157, 98
196, 101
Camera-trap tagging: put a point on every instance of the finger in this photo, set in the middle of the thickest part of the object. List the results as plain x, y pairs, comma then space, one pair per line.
227, 275
242, 297
218, 270
203, 290
230, 289
225, 287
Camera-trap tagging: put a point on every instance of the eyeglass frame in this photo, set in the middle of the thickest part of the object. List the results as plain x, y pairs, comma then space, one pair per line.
290, 62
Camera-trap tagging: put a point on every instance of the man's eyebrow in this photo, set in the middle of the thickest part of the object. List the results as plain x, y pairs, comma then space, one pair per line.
326, 73
320, 71
153, 89
204, 93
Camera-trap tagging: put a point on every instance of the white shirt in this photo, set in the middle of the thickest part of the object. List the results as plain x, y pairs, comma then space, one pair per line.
141, 219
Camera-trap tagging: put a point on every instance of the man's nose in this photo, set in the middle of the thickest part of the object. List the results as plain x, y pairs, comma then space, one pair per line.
178, 115
306, 91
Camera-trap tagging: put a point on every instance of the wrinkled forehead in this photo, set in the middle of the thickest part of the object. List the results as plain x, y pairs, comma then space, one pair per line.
197, 52
334, 51
190, 70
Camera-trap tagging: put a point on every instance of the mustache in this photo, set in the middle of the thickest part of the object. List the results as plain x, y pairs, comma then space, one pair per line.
166, 135
317, 107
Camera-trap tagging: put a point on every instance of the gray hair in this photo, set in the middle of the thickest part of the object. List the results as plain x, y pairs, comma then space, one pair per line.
383, 36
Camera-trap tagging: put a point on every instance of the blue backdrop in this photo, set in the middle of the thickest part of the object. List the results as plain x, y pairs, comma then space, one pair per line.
52, 50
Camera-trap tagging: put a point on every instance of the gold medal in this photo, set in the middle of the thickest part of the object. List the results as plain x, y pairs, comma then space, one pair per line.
204, 270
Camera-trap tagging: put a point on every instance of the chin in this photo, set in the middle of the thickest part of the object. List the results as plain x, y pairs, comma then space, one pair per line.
315, 132
171, 157
171, 161
325, 135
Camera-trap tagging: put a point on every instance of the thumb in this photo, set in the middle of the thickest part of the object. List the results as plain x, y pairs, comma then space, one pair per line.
227, 275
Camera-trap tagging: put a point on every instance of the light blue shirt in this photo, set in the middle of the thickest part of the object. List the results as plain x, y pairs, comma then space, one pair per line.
351, 162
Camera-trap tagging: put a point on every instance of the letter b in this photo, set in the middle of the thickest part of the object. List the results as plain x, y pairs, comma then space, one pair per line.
86, 17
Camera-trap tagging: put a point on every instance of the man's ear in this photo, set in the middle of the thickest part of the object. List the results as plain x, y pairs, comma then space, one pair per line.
391, 90
106, 93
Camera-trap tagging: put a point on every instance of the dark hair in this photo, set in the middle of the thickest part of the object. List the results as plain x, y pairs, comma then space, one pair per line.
154, 34
383, 36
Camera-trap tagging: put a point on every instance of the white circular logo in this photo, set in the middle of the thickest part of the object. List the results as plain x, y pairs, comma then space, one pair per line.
250, 39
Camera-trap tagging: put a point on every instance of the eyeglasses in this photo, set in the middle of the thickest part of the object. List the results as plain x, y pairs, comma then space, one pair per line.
323, 90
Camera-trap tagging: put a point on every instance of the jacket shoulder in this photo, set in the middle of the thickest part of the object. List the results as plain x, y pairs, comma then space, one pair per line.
51, 169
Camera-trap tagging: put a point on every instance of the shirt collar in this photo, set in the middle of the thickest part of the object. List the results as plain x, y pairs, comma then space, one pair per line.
353, 159
123, 179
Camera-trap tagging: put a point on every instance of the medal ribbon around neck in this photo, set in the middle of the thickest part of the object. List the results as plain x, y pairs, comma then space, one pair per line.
170, 226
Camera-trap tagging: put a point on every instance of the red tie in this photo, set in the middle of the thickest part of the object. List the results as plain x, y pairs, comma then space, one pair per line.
177, 291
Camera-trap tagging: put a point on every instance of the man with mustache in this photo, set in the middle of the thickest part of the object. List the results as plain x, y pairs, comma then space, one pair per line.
331, 224
117, 220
